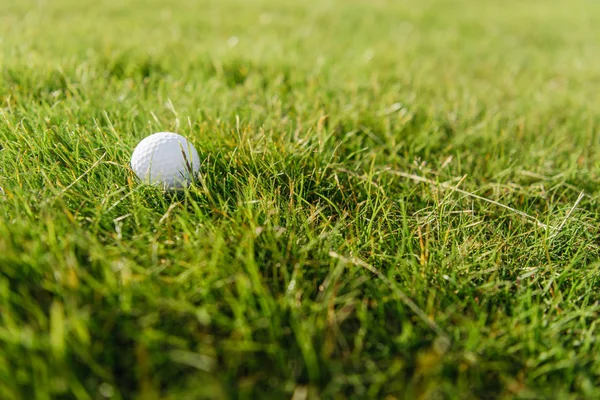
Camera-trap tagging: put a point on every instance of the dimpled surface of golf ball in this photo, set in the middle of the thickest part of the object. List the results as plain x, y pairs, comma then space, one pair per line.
165, 159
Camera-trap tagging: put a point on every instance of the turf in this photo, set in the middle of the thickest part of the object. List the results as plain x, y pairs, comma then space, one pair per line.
398, 199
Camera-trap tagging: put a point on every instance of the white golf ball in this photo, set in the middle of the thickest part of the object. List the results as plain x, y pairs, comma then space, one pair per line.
165, 159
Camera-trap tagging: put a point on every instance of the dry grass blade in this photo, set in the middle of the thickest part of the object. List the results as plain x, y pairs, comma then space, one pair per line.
564, 221
417, 178
90, 169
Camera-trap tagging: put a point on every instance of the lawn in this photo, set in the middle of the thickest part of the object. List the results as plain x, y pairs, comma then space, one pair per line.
397, 200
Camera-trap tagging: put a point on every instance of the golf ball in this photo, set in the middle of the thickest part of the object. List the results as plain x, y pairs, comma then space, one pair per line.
165, 159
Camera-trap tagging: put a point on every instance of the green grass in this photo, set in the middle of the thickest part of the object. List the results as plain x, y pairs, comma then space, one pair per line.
334, 246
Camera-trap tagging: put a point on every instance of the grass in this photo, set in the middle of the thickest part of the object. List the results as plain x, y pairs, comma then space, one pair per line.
397, 200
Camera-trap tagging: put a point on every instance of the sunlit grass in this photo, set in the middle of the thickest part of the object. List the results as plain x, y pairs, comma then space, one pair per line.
396, 199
